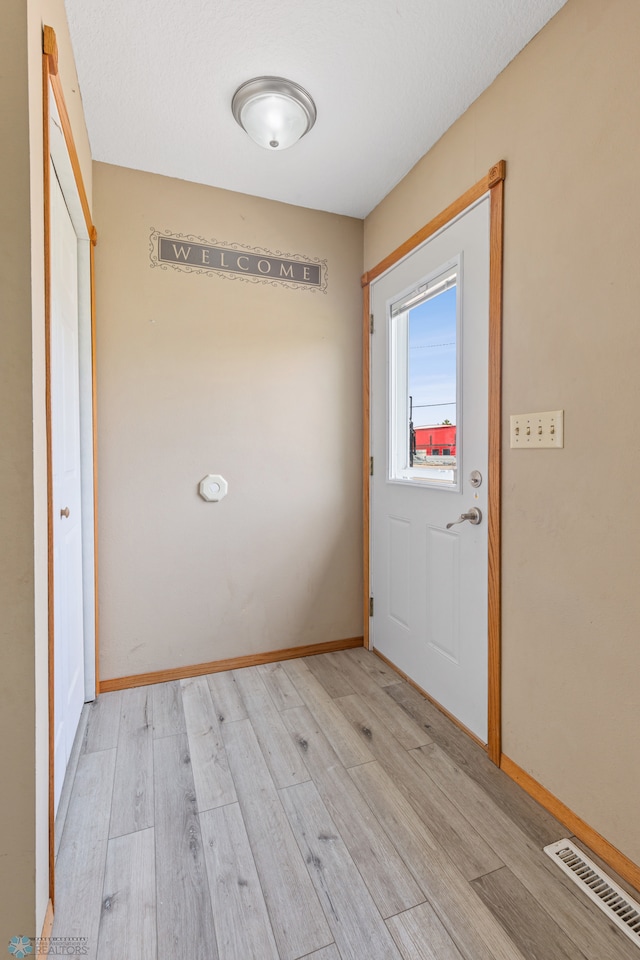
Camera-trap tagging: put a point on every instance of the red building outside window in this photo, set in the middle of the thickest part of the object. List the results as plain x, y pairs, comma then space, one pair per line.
438, 440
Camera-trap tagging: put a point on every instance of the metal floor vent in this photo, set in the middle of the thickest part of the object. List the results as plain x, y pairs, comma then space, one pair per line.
612, 899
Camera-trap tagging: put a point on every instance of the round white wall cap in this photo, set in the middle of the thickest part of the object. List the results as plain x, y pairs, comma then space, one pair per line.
213, 487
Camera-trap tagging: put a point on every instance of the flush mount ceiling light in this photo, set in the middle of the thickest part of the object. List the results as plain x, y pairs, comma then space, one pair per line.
275, 112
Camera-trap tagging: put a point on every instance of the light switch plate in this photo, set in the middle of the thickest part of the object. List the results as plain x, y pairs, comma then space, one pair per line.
533, 431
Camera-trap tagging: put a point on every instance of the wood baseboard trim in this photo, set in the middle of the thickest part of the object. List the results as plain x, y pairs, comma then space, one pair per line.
627, 869
234, 663
47, 925
435, 703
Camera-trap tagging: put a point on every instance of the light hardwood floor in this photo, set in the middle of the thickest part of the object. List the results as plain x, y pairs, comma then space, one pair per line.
317, 808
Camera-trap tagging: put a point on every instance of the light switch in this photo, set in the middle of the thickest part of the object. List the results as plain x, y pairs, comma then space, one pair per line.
537, 430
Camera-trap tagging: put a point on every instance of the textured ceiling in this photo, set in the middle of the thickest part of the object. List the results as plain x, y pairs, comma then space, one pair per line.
388, 77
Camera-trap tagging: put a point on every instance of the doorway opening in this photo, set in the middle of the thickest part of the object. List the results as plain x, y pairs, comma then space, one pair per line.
70, 343
430, 574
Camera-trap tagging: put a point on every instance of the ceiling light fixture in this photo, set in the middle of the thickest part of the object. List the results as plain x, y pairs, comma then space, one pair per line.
275, 112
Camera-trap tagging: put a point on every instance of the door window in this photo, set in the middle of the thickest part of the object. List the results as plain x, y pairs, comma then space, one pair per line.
423, 382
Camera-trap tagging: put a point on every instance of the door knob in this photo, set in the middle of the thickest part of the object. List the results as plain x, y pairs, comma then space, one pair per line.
65, 512
474, 516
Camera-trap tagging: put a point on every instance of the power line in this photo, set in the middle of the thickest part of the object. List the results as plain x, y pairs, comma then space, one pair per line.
445, 403
430, 346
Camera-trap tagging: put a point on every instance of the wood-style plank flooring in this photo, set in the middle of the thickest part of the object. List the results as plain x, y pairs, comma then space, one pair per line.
317, 808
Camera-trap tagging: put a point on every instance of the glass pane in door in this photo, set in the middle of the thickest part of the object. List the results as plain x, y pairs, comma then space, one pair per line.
432, 386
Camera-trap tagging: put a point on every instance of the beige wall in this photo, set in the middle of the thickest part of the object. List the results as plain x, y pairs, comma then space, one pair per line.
17, 692
206, 374
23, 543
565, 116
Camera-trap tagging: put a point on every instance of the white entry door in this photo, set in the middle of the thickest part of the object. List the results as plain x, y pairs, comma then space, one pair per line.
66, 488
429, 440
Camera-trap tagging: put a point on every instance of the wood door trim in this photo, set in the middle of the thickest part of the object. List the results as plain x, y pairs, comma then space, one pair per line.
494, 610
49, 436
94, 414
51, 83
233, 663
366, 454
50, 69
47, 924
496, 175
493, 184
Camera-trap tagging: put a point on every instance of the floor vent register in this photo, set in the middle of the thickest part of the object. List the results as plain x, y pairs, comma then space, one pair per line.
622, 909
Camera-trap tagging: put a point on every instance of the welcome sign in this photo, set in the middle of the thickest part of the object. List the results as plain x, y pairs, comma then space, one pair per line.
194, 255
